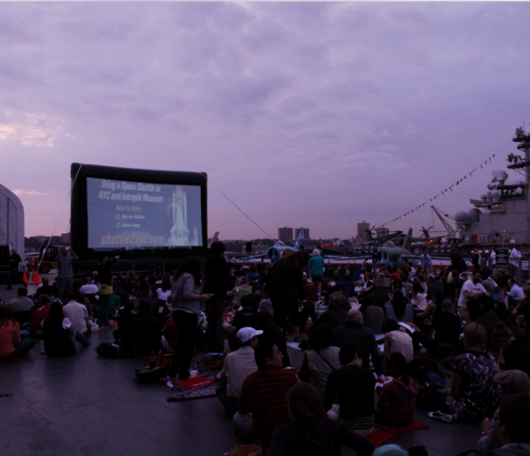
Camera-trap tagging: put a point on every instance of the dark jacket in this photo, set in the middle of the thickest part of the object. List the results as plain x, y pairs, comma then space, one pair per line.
333, 318
217, 276
146, 334
352, 332
317, 437
354, 386
57, 341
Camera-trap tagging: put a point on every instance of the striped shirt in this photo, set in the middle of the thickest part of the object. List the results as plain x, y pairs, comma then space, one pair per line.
264, 393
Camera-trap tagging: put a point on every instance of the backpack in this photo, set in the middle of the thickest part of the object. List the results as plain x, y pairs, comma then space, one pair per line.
108, 350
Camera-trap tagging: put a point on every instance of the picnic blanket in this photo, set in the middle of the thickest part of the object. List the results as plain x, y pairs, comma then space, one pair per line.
193, 388
200, 386
380, 437
414, 426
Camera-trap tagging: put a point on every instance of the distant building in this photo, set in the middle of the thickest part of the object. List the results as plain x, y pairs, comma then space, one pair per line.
362, 227
297, 233
285, 234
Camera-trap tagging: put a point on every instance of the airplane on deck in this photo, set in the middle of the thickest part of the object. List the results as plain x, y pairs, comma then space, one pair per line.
392, 257
213, 239
275, 252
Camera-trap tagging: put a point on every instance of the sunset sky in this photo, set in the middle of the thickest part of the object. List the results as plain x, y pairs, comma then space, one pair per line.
319, 115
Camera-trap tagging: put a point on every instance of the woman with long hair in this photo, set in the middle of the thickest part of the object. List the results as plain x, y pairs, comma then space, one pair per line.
58, 332
11, 345
186, 300
311, 432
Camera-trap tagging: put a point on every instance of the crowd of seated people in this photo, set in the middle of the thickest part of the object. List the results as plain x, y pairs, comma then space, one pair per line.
448, 315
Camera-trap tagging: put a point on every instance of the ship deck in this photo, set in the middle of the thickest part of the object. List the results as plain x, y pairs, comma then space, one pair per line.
87, 406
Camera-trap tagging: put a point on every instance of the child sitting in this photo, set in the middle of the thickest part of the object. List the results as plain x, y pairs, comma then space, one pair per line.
397, 401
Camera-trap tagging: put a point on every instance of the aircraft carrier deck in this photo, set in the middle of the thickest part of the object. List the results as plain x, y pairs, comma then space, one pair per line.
88, 406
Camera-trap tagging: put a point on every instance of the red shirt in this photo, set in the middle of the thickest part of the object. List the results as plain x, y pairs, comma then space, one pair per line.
9, 337
36, 317
264, 393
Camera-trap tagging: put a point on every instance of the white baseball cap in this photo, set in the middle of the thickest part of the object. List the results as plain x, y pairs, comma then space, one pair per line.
245, 334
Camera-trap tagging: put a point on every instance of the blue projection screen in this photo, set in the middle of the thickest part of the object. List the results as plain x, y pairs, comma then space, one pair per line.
127, 214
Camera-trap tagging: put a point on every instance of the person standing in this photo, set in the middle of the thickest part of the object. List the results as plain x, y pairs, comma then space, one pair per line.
186, 304
287, 289
65, 277
105, 289
216, 282
316, 270
14, 261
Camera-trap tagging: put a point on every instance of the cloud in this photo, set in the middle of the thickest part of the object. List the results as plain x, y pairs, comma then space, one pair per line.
20, 192
29, 128
297, 110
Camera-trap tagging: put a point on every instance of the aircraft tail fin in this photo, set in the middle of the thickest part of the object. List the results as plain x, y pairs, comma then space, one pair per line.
299, 240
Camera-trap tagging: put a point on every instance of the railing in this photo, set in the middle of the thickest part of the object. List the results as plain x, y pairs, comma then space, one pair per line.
142, 266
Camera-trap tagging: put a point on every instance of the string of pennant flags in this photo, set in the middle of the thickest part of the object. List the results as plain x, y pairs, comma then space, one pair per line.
441, 193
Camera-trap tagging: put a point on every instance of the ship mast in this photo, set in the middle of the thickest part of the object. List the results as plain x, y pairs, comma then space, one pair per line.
515, 163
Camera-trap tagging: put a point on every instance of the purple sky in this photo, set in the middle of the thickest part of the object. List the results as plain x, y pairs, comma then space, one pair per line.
305, 114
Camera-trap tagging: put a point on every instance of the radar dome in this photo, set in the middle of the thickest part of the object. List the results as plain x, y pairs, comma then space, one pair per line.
500, 174
473, 215
461, 217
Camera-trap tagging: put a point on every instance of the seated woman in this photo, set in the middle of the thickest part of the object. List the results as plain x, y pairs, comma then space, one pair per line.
399, 308
473, 394
397, 402
321, 359
353, 386
58, 333
11, 345
311, 432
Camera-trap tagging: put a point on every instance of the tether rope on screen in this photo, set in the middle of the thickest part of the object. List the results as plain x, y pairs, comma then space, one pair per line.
58, 218
239, 209
447, 189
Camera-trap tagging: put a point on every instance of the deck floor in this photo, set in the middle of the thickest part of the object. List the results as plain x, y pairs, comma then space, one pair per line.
87, 406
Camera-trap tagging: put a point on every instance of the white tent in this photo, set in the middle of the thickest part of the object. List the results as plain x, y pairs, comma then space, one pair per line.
11, 221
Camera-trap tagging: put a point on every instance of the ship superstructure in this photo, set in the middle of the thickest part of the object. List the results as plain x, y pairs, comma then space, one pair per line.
502, 215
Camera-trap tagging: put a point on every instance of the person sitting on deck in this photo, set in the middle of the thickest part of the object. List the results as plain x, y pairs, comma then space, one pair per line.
311, 432
353, 332
321, 359
78, 315
146, 331
514, 422
11, 345
353, 386
263, 399
237, 366
22, 306
397, 401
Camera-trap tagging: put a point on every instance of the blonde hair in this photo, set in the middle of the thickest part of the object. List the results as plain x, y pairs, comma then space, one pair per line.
475, 337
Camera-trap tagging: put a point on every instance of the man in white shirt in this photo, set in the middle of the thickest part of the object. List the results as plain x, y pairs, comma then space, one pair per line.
515, 294
471, 289
78, 315
237, 366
